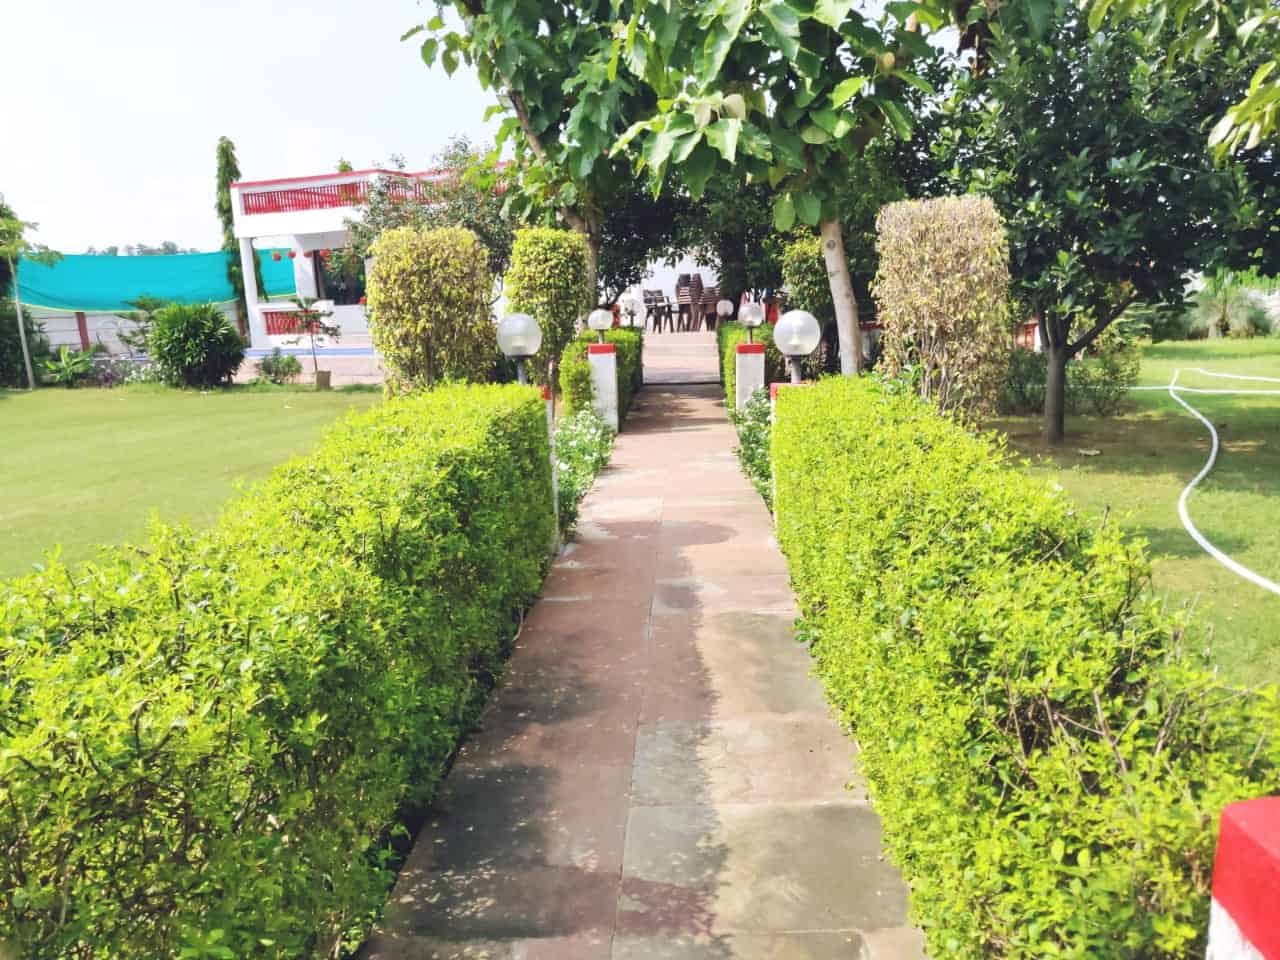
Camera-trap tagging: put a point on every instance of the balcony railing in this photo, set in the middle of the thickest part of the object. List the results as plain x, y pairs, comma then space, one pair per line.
326, 196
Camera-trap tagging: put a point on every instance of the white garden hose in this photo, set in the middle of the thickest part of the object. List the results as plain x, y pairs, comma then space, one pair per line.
1237, 568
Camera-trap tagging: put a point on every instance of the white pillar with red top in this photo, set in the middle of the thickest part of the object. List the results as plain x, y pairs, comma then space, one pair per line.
748, 371
603, 358
1244, 917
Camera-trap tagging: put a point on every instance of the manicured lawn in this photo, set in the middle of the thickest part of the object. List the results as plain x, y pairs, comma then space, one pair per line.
1147, 456
86, 467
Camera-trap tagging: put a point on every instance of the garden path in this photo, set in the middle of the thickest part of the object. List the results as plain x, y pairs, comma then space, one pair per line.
659, 776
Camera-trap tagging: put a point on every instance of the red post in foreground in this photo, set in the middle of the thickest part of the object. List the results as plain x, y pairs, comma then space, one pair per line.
1244, 919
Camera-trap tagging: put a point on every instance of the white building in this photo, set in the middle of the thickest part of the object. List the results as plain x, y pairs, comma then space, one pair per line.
307, 217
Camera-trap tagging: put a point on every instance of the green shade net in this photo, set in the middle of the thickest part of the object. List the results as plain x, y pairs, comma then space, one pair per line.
96, 284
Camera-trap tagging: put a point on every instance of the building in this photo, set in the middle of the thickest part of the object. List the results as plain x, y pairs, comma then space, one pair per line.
303, 219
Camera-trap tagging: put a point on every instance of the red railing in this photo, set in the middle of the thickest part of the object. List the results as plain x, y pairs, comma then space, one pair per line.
329, 195
282, 323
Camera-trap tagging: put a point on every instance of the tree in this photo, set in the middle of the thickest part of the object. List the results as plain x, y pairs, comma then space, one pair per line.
1096, 159
461, 196
13, 247
555, 70
1206, 31
784, 94
166, 248
228, 172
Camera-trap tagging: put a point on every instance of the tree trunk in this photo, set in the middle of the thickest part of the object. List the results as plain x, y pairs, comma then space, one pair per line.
22, 327
1055, 394
593, 266
842, 296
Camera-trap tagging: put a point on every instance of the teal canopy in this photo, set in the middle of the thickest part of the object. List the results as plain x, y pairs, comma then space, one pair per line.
96, 284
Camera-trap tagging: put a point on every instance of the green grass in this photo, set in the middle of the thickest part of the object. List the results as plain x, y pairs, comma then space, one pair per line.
80, 468
1147, 455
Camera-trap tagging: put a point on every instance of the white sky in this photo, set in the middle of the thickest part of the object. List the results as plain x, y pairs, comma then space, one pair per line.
113, 110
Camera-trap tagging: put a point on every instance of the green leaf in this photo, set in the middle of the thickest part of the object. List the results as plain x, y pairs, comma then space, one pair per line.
723, 135
1098, 13
846, 90
412, 32
684, 146
784, 212
735, 106
698, 169
832, 12
814, 134
915, 80
429, 47
721, 37
1039, 13
897, 118
789, 147
808, 208
781, 28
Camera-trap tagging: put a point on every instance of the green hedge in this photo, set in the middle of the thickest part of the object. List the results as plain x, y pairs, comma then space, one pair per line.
1048, 763
575, 371
728, 336
203, 739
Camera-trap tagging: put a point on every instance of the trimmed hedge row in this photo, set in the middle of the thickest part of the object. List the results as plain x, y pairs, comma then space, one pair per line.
1049, 764
575, 371
728, 336
203, 739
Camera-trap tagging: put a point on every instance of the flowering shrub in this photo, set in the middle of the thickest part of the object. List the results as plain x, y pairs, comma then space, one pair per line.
753, 423
583, 443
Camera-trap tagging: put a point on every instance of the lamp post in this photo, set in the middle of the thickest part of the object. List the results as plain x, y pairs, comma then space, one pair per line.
519, 337
796, 335
600, 320
724, 310
632, 307
751, 315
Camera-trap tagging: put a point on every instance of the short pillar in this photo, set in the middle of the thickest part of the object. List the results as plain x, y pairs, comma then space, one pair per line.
1246, 883
603, 358
748, 372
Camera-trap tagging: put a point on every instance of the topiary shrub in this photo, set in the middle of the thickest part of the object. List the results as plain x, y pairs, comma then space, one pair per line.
753, 423
547, 279
1047, 759
428, 302
194, 345
204, 741
943, 293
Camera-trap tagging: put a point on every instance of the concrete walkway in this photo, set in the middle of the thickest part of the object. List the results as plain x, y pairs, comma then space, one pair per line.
659, 776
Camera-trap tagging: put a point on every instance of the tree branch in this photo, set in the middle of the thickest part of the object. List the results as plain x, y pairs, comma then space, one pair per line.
1101, 325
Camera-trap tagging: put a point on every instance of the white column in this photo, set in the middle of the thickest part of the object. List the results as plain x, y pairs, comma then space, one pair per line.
603, 358
748, 371
257, 326
304, 271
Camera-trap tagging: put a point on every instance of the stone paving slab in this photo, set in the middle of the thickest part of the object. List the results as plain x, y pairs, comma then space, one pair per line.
658, 778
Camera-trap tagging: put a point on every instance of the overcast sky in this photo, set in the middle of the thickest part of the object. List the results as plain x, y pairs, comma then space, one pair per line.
107, 135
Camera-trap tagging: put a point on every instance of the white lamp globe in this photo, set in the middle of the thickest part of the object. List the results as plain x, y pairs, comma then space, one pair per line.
751, 314
797, 333
724, 308
519, 335
600, 320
